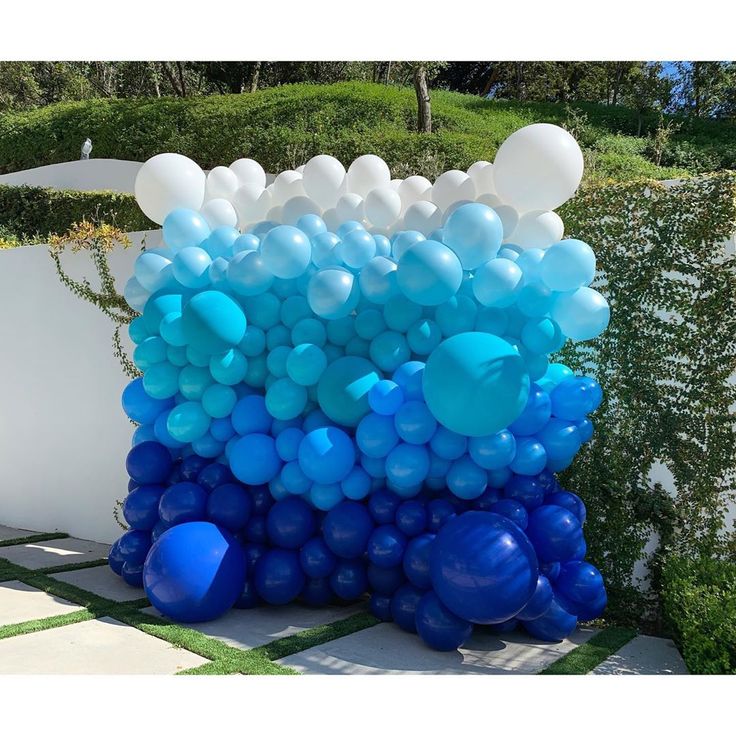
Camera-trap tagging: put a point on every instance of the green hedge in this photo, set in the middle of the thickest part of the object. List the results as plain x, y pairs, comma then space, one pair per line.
699, 602
284, 126
32, 213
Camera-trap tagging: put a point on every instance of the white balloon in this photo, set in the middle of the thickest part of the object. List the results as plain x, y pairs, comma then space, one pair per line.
395, 184
135, 295
219, 213
221, 183
423, 216
274, 214
452, 208
297, 207
538, 167
481, 172
286, 185
251, 202
538, 229
489, 200
300, 169
332, 219
414, 189
168, 181
350, 207
249, 171
509, 219
452, 186
323, 179
366, 173
382, 206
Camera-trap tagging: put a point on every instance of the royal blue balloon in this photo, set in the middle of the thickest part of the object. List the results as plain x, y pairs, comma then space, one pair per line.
317, 592
290, 523
346, 529
539, 603
404, 607
386, 546
407, 465
149, 462
133, 546
229, 506
555, 533
511, 509
440, 512
414, 422
349, 580
140, 507
115, 559
486, 499
141, 407
530, 457
525, 489
191, 466
214, 475
254, 459
438, 627
248, 596
385, 580
483, 567
183, 502
416, 563
213, 322
382, 506
132, 574
184, 228
570, 501
555, 624
535, 415
579, 589
474, 231
316, 558
326, 455
466, 479
194, 572
411, 518
493, 452
255, 530
278, 576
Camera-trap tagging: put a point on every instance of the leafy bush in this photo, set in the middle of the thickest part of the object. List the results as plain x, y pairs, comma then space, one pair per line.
33, 213
699, 603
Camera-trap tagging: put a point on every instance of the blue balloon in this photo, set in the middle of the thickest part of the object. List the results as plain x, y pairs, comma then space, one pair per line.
466, 479
349, 580
555, 533
316, 558
191, 267
306, 363
535, 415
285, 399
416, 561
429, 273
213, 322
229, 505
474, 232
414, 423
248, 596
555, 624
497, 283
424, 336
385, 397
290, 523
326, 455
183, 502
325, 496
286, 251
493, 452
356, 484
448, 445
568, 265
404, 240
141, 407
219, 401
278, 576
114, 558
483, 567
408, 377
157, 307
343, 389
511, 509
526, 489
440, 511
411, 518
132, 574
404, 607
250, 415
255, 530
555, 374
530, 458
317, 592
539, 603
541, 335
407, 466
230, 368
149, 462
580, 591
184, 228
188, 421
346, 529
385, 580
140, 507
383, 505
254, 459
133, 546
245, 242
287, 443
386, 546
194, 572
560, 438
311, 225
438, 627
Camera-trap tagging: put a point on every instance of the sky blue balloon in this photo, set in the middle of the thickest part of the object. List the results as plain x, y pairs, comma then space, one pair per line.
429, 273
333, 293
356, 248
389, 350
208, 446
385, 397
457, 315
376, 435
153, 270
286, 251
188, 421
343, 389
568, 265
414, 422
191, 267
474, 231
221, 241
494, 451
306, 364
475, 384
285, 399
137, 330
229, 368
581, 314
326, 455
530, 457
369, 323
407, 465
466, 479
161, 381
184, 228
218, 400
248, 274
254, 460
497, 283
403, 240
213, 322
245, 242
378, 280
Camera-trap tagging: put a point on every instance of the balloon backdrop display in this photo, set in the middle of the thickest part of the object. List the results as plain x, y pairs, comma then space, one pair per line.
347, 389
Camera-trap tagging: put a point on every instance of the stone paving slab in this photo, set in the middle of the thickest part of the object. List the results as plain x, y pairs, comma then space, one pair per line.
101, 581
98, 647
20, 602
387, 650
55, 552
8, 532
644, 655
254, 627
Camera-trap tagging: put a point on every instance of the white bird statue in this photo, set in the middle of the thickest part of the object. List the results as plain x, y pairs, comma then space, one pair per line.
86, 149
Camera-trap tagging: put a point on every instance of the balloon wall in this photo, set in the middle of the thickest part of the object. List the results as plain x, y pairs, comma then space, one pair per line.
347, 390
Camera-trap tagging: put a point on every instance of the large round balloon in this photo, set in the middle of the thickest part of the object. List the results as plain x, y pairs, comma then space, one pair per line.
194, 572
483, 567
475, 384
343, 389
213, 322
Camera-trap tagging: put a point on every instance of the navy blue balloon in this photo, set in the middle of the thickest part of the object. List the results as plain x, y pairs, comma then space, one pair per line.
346, 529
229, 505
404, 607
262, 499
132, 574
290, 523
483, 567
440, 511
183, 502
411, 518
278, 576
539, 602
525, 489
380, 607
317, 592
385, 580
317, 560
505, 627
386, 546
555, 624
115, 559
248, 596
438, 627
484, 502
536, 413
140, 507
416, 561
555, 533
133, 546
149, 463
550, 570
580, 590
570, 501
158, 530
252, 552
255, 530
383, 505
349, 580
194, 572
191, 466
511, 510
214, 475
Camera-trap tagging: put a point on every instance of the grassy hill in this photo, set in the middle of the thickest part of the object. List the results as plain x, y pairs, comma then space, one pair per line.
282, 127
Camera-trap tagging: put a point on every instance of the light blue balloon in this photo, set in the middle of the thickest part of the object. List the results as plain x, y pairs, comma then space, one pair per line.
248, 274
219, 400
424, 336
286, 251
530, 263
191, 267
311, 225
497, 283
343, 389
324, 251
378, 280
306, 364
153, 270
356, 248
229, 368
285, 399
348, 227
245, 242
135, 295
184, 228
510, 252
213, 322
161, 381
568, 265
389, 350
403, 240
429, 273
333, 293
581, 314
309, 330
383, 245
188, 421
221, 241
474, 231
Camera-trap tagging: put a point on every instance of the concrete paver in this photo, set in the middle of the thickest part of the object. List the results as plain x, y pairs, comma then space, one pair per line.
20, 602
644, 655
55, 552
8, 532
101, 581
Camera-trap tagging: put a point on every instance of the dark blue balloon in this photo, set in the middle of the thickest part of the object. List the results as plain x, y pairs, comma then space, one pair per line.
194, 572
191, 466
290, 523
255, 530
346, 529
229, 505
438, 627
525, 489
115, 559
262, 499
158, 530
278, 576
140, 507
572, 399
317, 560
555, 533
487, 499
483, 567
132, 574
380, 607
183, 502
214, 475
252, 551
416, 561
505, 627
386, 546
149, 463
570, 501
349, 580
317, 592
440, 511
382, 505
555, 624
385, 580
411, 518
133, 546
132, 485
550, 570
511, 510
539, 602
579, 589
248, 597
404, 606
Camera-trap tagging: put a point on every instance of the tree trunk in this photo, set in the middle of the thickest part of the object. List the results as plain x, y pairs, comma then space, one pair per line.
172, 79
424, 107
254, 77
182, 83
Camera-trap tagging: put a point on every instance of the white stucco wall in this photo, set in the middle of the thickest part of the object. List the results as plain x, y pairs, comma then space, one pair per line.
91, 175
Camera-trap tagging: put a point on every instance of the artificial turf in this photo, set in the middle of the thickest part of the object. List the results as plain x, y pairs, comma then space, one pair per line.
589, 655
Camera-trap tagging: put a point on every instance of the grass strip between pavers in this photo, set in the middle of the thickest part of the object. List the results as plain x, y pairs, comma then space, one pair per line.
50, 622
31, 538
589, 655
71, 566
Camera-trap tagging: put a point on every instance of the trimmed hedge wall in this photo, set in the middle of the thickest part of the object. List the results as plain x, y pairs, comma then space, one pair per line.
699, 602
35, 212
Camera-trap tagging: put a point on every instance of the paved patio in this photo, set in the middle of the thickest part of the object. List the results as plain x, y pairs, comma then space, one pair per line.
64, 612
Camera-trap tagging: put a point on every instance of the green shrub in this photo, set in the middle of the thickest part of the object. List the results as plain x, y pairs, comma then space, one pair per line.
699, 603
33, 213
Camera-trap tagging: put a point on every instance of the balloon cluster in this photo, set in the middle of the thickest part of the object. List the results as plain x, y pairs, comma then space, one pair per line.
346, 390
